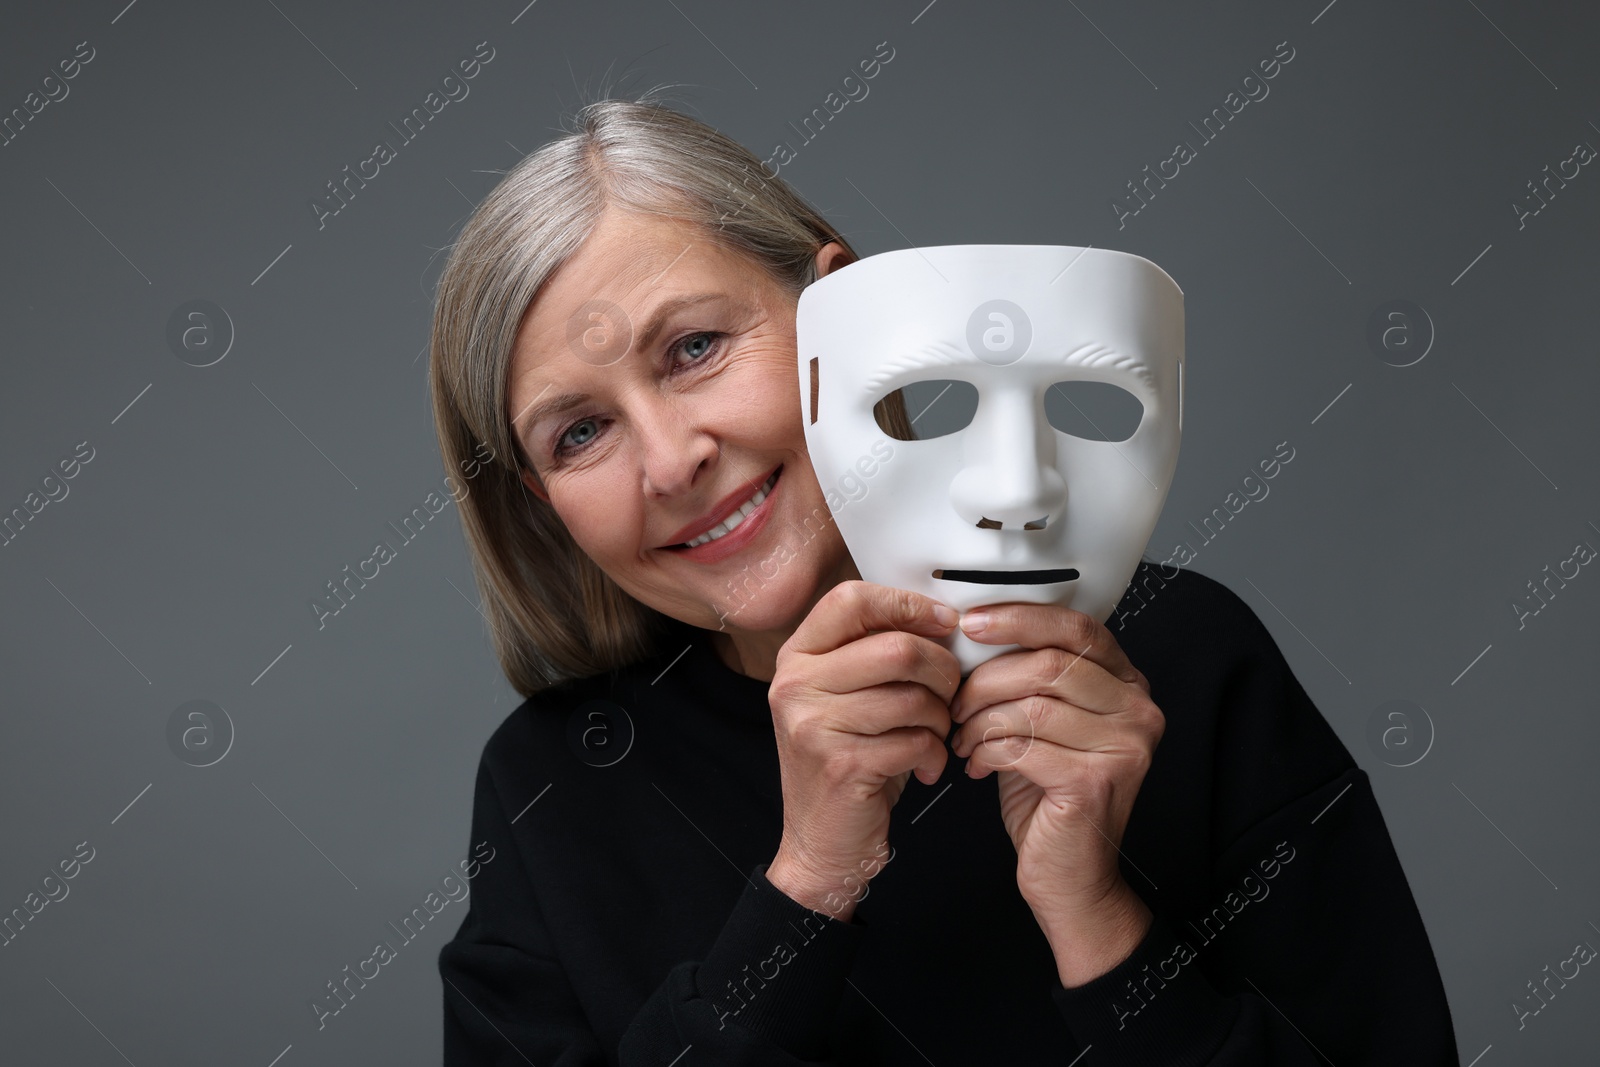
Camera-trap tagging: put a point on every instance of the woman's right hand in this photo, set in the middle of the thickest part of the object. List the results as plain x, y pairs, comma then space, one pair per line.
860, 699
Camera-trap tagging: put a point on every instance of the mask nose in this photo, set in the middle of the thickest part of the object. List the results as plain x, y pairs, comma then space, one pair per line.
1009, 481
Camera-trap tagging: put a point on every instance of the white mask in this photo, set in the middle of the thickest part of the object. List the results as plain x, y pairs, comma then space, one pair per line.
1011, 321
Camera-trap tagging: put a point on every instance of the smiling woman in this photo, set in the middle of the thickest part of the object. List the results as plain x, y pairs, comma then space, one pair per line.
617, 323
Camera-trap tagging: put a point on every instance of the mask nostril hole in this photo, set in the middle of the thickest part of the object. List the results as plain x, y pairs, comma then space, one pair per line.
988, 524
1036, 524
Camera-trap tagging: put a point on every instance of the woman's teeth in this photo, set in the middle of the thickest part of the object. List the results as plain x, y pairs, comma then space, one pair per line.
738, 515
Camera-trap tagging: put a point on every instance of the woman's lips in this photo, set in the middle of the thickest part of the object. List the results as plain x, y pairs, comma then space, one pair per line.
739, 536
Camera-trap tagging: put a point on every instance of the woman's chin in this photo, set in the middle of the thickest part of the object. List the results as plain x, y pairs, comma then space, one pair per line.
759, 614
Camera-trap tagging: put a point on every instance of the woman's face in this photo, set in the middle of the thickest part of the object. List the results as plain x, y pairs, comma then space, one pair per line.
653, 387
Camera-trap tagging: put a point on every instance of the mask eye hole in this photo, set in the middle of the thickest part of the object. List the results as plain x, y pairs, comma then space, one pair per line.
1093, 411
927, 409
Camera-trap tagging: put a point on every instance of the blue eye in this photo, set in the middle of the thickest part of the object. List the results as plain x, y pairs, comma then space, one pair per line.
578, 434
696, 346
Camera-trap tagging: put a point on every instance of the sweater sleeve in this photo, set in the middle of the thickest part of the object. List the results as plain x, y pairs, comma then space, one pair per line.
1334, 964
1313, 950
764, 995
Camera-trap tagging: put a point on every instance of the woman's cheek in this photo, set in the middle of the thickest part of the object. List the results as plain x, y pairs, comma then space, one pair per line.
601, 517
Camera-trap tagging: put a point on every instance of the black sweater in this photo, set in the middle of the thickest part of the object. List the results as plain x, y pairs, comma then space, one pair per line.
626, 917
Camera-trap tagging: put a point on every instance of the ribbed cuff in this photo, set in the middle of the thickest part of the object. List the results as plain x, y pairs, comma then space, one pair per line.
778, 968
1153, 1007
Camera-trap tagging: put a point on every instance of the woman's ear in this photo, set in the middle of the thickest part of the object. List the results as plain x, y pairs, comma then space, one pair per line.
830, 257
531, 480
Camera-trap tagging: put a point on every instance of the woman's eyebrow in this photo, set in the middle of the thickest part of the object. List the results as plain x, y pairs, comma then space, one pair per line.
659, 315
672, 305
554, 406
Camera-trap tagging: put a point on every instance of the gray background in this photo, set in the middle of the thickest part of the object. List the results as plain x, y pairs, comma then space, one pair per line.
1383, 165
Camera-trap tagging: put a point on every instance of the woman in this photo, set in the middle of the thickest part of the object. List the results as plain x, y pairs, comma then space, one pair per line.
706, 842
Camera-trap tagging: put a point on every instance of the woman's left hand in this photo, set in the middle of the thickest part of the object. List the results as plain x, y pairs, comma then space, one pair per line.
1068, 725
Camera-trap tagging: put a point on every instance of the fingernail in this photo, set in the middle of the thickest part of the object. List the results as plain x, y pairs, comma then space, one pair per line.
945, 614
975, 621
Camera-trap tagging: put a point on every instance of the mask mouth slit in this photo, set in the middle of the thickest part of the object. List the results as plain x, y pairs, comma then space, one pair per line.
1045, 577
987, 523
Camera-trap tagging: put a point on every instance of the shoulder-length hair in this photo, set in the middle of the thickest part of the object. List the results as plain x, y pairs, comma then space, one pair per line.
552, 613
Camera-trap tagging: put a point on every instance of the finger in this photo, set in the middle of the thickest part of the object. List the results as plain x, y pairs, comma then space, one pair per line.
882, 708
1080, 777
1040, 718
1052, 672
1049, 625
854, 609
891, 656
900, 750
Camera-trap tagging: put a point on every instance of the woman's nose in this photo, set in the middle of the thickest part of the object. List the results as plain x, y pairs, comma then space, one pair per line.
673, 448
1009, 479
